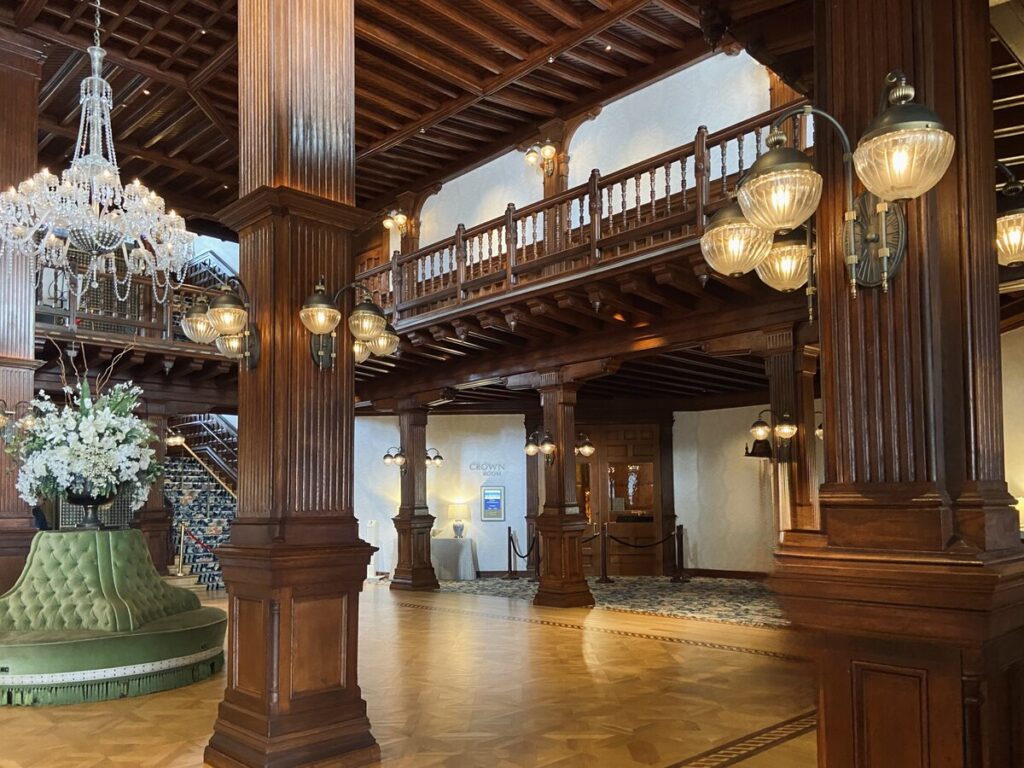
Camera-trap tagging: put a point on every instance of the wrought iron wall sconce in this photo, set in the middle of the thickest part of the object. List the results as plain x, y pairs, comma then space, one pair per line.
372, 333
395, 457
396, 218
903, 154
544, 444
224, 321
434, 458
584, 447
542, 157
1010, 220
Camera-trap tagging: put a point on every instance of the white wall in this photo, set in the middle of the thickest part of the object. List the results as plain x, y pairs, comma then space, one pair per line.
1013, 411
717, 92
465, 442
723, 498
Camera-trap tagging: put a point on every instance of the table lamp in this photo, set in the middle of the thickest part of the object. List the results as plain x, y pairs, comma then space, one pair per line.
456, 512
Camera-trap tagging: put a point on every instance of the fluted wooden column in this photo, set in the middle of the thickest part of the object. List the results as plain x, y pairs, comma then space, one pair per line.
533, 423
20, 68
560, 525
295, 565
413, 571
154, 519
917, 587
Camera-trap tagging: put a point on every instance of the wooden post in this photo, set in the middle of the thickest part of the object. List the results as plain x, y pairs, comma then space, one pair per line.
701, 174
21, 63
460, 260
413, 571
680, 555
397, 287
603, 579
532, 423
511, 244
916, 587
154, 519
294, 565
596, 208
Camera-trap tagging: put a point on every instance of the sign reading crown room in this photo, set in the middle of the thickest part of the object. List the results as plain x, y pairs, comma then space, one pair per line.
487, 469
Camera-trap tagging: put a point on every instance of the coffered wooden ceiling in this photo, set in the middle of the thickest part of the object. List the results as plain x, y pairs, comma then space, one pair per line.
440, 84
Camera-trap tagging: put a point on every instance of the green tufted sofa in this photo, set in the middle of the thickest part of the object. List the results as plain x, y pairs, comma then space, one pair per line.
90, 619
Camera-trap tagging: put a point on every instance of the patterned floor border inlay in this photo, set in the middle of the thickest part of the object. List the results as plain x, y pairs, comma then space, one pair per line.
752, 744
606, 631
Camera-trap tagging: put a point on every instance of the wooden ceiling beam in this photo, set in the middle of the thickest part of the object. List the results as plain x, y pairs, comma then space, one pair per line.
622, 45
229, 131
463, 18
418, 55
558, 10
524, 102
511, 14
227, 55
681, 10
389, 69
28, 12
653, 30
538, 59
597, 61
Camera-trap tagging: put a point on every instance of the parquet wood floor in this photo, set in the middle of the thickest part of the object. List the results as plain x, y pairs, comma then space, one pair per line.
459, 681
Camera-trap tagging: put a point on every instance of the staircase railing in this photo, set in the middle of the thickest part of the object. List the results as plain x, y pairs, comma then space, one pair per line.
212, 441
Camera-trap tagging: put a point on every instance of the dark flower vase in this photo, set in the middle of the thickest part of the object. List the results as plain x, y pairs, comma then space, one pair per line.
91, 505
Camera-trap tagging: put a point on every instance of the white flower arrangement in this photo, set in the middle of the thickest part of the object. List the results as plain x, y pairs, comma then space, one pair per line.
86, 447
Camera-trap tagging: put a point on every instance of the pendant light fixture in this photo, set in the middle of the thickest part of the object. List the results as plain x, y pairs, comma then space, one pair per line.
85, 223
903, 154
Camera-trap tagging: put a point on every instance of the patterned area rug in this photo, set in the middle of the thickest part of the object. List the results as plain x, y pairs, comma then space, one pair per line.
733, 601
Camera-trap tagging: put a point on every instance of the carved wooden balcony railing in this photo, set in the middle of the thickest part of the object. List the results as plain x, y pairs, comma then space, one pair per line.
657, 203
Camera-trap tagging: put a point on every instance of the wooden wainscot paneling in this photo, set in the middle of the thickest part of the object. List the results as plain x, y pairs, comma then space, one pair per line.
248, 651
318, 644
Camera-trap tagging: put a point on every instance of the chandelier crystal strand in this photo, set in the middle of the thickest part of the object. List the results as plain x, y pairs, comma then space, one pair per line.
82, 218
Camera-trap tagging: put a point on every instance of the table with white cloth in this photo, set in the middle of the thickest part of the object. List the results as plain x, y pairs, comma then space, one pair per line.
453, 559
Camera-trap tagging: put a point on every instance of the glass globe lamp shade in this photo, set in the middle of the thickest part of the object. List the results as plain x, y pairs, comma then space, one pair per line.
360, 351
788, 262
366, 321
400, 218
388, 222
228, 314
400, 459
732, 245
532, 156
437, 460
531, 448
548, 150
1010, 238
785, 429
905, 150
231, 346
819, 432
197, 326
319, 314
760, 430
384, 343
547, 445
781, 191
587, 448
389, 458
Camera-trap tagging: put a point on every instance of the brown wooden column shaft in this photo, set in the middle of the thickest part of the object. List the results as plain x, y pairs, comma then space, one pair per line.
20, 67
782, 396
532, 422
806, 516
560, 525
414, 521
295, 565
154, 519
918, 587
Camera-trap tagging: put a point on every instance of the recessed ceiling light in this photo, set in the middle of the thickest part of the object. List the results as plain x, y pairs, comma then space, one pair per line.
551, 59
423, 130
146, 91
608, 47
202, 31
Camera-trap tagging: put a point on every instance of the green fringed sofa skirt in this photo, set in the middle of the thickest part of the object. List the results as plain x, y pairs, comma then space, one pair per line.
90, 620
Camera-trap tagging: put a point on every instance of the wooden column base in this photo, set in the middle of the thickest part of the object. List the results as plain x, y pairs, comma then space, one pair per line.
155, 525
414, 571
920, 658
292, 696
16, 536
562, 583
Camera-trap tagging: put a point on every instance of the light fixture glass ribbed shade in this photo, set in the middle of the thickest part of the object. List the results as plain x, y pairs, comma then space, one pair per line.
587, 448
232, 346
786, 266
361, 351
197, 326
785, 429
735, 248
384, 343
366, 321
547, 445
319, 319
780, 200
904, 164
531, 448
760, 430
228, 314
1010, 238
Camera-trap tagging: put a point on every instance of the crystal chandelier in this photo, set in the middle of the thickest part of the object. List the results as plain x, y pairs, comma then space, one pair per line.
85, 223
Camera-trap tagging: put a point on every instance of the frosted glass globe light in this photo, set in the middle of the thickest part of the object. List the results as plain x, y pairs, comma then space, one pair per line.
228, 314
760, 430
231, 346
782, 189
366, 321
787, 265
732, 245
906, 149
360, 351
531, 448
785, 429
319, 314
384, 343
196, 324
1010, 238
548, 150
547, 445
532, 156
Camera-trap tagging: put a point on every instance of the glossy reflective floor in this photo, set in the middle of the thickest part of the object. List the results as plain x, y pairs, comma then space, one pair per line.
460, 681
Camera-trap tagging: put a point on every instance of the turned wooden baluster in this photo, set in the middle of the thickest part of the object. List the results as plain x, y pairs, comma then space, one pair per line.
700, 160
